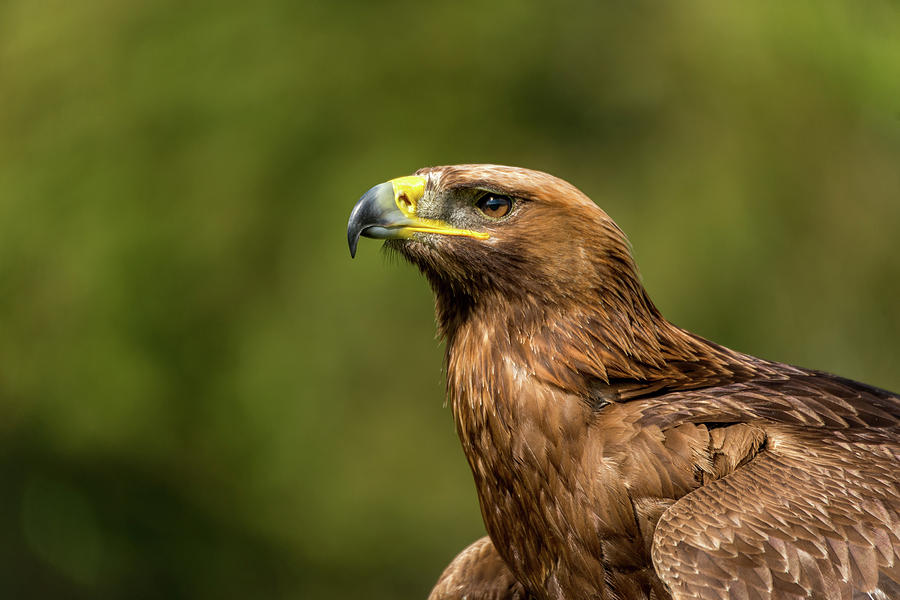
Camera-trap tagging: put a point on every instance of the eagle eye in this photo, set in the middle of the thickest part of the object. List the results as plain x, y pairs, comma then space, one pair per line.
494, 205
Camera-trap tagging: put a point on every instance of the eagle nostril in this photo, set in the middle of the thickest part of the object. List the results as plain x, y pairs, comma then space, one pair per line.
405, 204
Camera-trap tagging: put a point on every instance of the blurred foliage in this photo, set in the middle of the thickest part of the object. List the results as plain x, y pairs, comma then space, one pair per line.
203, 397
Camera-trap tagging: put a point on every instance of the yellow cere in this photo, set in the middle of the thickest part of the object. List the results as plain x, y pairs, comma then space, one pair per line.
407, 193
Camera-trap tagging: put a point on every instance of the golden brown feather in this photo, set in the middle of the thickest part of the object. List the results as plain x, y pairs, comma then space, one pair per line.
478, 573
618, 456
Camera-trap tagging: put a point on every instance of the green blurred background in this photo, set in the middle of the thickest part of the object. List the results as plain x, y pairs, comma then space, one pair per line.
202, 396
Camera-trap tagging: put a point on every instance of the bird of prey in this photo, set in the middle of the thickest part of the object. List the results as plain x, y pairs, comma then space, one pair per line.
616, 455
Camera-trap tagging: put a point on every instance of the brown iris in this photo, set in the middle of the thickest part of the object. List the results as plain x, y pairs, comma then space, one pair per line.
494, 205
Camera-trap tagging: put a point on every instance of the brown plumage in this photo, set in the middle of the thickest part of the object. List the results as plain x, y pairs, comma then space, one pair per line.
618, 456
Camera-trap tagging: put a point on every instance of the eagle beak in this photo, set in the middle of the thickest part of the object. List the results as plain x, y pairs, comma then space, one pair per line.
388, 211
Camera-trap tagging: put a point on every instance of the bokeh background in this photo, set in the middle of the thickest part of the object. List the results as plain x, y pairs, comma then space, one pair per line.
202, 396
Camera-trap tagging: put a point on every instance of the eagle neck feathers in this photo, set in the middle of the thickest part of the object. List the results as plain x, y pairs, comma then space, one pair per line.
529, 383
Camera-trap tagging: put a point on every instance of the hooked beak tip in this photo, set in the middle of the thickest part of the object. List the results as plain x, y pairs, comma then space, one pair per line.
376, 207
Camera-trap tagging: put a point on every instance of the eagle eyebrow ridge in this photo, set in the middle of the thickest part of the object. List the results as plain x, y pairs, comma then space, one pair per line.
479, 184
491, 187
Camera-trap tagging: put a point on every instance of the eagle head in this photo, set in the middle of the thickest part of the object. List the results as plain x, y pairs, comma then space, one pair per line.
479, 231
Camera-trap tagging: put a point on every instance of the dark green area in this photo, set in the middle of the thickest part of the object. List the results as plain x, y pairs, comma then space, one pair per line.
201, 396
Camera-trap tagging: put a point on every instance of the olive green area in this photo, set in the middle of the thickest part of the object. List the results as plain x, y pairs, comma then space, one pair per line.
202, 396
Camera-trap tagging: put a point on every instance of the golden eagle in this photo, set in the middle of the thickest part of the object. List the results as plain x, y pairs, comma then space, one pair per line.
616, 455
